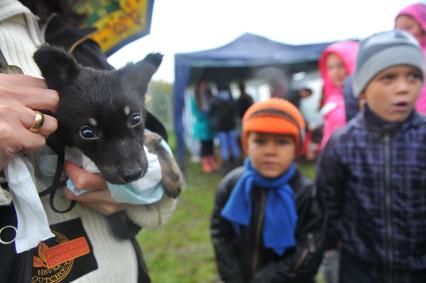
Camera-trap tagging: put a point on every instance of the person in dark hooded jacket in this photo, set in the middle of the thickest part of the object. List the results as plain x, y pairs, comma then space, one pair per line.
223, 117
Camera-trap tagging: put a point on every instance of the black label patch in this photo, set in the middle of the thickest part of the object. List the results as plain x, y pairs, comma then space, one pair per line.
66, 257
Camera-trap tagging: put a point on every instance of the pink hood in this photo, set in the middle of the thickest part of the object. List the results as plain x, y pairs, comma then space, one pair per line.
332, 100
418, 13
347, 52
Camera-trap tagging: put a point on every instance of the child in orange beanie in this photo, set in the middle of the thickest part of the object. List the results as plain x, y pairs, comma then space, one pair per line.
267, 223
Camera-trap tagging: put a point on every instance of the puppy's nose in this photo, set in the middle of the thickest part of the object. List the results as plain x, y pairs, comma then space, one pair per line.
132, 174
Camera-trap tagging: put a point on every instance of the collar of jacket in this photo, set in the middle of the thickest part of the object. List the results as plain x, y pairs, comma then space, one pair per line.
374, 123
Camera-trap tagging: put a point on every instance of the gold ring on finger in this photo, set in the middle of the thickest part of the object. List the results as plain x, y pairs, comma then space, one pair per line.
38, 122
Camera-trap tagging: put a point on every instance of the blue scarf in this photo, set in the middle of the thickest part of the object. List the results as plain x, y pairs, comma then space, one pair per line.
280, 216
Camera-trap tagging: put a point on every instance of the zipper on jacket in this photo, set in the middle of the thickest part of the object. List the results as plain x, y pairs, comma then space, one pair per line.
388, 206
258, 231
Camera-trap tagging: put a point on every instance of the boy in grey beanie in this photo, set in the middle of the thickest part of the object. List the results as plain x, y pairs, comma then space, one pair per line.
383, 50
371, 173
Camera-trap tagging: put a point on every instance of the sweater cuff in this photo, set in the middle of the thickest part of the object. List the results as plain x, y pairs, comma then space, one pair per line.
153, 215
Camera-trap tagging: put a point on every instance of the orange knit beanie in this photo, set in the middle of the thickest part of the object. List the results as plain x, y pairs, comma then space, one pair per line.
275, 116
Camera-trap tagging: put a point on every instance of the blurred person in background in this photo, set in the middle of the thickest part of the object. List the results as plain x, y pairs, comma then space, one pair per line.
223, 116
336, 63
202, 128
412, 19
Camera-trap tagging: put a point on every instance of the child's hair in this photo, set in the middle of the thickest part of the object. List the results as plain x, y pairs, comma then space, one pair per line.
383, 50
275, 116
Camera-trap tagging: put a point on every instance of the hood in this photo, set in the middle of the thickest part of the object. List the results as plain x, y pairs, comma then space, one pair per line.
347, 52
416, 11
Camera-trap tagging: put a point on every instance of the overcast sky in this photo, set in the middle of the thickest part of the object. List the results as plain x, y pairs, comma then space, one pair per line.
180, 26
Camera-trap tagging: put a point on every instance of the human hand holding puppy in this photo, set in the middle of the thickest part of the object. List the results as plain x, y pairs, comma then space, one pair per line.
97, 195
20, 95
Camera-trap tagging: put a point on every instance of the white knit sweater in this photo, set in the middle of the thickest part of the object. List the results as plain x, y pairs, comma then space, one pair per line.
19, 38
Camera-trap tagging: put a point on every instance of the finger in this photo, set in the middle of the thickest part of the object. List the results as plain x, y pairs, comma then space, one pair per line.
32, 141
32, 97
22, 140
13, 112
14, 135
40, 99
23, 80
49, 125
92, 197
105, 209
84, 179
99, 200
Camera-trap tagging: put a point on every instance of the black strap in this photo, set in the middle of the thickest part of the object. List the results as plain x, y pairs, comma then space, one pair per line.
143, 273
124, 228
57, 183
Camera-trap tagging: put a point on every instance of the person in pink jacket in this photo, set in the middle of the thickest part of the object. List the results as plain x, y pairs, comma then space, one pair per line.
412, 19
336, 62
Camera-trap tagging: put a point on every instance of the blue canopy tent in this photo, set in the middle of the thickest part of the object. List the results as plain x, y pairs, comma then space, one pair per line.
239, 59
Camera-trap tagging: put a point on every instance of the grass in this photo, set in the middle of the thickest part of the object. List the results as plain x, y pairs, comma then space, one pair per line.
180, 251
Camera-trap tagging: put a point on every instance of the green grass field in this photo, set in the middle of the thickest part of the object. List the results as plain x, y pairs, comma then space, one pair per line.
180, 251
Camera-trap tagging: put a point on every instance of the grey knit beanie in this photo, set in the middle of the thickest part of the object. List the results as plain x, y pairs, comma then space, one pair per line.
383, 50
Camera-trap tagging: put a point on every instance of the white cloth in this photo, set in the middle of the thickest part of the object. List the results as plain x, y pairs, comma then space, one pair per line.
145, 190
33, 226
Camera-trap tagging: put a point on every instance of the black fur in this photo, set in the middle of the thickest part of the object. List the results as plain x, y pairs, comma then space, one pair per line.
94, 101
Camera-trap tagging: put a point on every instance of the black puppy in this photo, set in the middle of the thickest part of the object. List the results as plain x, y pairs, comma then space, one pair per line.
102, 113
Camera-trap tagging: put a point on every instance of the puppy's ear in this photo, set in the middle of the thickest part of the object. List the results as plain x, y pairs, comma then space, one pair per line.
56, 65
140, 73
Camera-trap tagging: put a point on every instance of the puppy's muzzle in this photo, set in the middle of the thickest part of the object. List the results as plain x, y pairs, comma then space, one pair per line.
133, 174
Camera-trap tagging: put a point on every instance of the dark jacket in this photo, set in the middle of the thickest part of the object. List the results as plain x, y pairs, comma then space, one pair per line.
244, 101
372, 176
223, 112
241, 258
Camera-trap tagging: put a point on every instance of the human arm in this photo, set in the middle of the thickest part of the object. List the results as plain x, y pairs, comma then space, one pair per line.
20, 95
302, 262
223, 235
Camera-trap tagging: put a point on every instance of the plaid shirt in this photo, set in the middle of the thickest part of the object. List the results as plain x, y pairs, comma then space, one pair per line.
373, 180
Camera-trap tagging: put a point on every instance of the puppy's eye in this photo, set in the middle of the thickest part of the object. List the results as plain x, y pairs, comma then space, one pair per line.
135, 119
88, 133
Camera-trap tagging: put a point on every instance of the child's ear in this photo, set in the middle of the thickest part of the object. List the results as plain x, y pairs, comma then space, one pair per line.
56, 65
140, 73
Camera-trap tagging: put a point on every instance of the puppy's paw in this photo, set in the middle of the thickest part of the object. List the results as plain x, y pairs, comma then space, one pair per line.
172, 177
152, 141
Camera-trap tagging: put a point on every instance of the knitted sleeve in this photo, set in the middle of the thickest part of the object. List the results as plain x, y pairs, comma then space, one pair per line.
153, 215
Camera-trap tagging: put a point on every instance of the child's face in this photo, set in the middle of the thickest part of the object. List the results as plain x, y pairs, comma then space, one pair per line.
392, 93
408, 24
271, 154
336, 70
